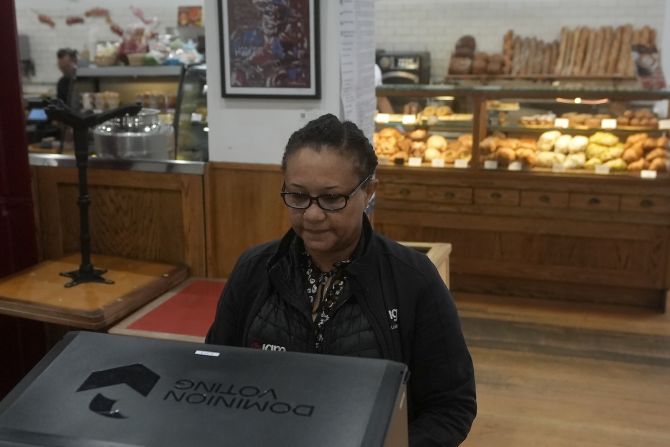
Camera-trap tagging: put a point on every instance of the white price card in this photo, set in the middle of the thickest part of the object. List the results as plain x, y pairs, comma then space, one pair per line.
409, 119
414, 161
515, 166
437, 163
196, 117
491, 164
562, 123
608, 123
557, 167
664, 124
432, 120
648, 174
602, 169
382, 118
461, 163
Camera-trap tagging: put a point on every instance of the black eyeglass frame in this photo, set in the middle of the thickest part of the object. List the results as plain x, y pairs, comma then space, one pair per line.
316, 199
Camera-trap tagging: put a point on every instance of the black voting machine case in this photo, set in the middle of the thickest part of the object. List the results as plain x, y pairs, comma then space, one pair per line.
99, 390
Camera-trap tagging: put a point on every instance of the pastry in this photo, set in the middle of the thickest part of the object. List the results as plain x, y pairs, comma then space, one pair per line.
437, 142
443, 111
616, 164
418, 134
574, 161
630, 155
604, 138
431, 154
656, 153
562, 144
659, 164
637, 165
578, 143
506, 154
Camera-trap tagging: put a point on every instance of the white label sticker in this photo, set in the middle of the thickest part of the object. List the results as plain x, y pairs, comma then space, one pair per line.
437, 163
515, 166
409, 119
208, 353
562, 123
646, 173
602, 169
491, 164
461, 163
608, 123
196, 117
664, 124
557, 167
382, 118
414, 161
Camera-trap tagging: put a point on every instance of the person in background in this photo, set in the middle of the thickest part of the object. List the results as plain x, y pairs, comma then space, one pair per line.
383, 103
67, 64
332, 285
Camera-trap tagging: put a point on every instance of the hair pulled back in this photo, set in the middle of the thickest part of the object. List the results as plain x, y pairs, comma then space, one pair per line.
327, 132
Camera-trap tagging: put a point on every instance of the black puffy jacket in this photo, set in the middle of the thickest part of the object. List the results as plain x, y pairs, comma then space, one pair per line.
398, 308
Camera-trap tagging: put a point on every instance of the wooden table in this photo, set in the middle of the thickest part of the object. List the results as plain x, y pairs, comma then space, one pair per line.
38, 293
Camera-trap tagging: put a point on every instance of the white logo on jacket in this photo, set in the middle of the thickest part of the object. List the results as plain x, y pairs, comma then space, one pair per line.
393, 316
269, 347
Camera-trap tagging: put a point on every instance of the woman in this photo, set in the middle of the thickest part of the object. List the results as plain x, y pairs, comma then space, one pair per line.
332, 285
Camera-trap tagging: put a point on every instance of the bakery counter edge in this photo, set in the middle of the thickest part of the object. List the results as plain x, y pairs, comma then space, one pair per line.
158, 166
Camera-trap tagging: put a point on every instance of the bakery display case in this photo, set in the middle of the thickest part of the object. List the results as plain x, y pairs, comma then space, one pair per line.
191, 115
523, 226
430, 131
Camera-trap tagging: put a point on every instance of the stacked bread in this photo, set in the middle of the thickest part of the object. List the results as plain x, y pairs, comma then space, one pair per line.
395, 145
461, 58
484, 63
555, 148
643, 152
505, 150
531, 56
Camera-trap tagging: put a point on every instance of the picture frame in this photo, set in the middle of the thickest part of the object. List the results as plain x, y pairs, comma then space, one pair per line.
269, 49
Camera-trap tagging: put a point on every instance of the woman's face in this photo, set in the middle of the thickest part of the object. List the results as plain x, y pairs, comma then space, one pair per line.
329, 234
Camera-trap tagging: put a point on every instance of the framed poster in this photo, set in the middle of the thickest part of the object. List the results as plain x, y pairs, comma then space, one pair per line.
269, 48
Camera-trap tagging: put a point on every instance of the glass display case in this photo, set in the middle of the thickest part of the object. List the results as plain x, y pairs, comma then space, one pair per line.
191, 115
613, 130
427, 128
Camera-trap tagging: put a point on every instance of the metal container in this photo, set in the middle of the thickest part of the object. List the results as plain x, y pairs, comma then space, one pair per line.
135, 137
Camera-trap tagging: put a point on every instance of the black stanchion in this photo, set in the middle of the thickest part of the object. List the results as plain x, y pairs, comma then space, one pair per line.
80, 123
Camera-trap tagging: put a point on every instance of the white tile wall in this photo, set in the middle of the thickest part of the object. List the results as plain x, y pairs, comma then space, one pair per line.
45, 41
436, 25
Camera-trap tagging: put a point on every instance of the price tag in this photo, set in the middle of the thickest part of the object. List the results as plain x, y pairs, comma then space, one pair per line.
608, 123
664, 124
557, 167
602, 169
409, 119
414, 161
382, 118
515, 166
491, 164
196, 117
437, 163
562, 123
461, 163
432, 120
646, 173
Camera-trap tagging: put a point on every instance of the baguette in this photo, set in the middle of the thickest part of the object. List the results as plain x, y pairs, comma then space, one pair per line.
590, 50
561, 51
626, 49
516, 55
597, 51
567, 63
604, 55
581, 51
614, 51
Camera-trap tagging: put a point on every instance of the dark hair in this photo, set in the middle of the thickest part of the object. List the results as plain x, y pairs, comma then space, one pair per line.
67, 52
328, 132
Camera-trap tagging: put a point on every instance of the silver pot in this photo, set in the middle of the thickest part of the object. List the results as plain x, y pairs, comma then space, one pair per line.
136, 137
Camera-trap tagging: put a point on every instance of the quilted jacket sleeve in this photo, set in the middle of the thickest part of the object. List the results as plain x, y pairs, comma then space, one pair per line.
442, 382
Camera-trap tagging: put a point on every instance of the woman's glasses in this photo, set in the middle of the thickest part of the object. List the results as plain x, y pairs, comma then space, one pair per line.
327, 202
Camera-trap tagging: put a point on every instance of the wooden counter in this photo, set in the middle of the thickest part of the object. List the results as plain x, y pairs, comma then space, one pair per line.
569, 237
38, 293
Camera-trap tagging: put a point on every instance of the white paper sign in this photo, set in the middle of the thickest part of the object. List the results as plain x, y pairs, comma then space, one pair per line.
562, 123
664, 124
602, 169
515, 166
414, 161
382, 118
196, 117
646, 173
437, 163
461, 163
608, 123
491, 164
409, 119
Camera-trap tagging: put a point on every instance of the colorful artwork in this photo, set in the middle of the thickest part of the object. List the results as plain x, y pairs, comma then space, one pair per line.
189, 16
269, 48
